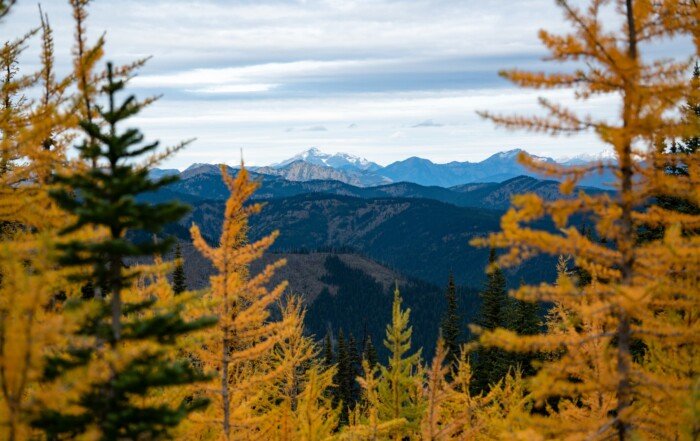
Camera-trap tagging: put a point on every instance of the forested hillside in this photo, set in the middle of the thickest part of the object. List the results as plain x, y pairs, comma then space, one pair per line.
346, 291
421, 238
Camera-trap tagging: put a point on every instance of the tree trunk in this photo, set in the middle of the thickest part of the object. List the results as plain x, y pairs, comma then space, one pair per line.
626, 240
225, 397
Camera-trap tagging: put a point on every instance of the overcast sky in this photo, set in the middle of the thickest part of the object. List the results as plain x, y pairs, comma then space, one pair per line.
382, 79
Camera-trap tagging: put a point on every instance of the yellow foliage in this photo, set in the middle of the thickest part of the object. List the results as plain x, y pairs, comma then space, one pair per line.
365, 423
33, 142
639, 292
300, 385
242, 348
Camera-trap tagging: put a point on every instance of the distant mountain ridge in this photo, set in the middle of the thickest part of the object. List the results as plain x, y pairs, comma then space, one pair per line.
313, 164
491, 195
300, 170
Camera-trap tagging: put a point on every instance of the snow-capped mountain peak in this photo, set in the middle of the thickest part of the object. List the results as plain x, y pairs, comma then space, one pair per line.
508, 154
337, 160
312, 152
512, 155
605, 155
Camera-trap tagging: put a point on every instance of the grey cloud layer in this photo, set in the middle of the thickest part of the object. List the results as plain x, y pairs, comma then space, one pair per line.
240, 73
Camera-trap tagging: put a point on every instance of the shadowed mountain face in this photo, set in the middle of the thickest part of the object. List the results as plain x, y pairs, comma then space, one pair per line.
351, 292
420, 238
422, 231
490, 195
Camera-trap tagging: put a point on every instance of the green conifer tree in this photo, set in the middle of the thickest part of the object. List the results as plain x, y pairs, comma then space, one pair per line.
87, 291
400, 385
523, 318
105, 197
344, 378
492, 364
580, 276
370, 353
328, 349
355, 370
451, 323
179, 280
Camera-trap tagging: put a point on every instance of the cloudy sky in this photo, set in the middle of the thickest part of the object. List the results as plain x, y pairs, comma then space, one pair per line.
383, 79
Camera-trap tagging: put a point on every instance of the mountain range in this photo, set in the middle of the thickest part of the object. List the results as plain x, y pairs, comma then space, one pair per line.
421, 231
421, 238
206, 183
314, 164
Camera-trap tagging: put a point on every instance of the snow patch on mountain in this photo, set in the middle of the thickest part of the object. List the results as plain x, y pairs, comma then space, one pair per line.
606, 155
341, 161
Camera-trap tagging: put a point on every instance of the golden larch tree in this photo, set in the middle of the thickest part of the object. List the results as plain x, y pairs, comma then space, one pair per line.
365, 422
401, 381
638, 290
297, 403
34, 135
241, 349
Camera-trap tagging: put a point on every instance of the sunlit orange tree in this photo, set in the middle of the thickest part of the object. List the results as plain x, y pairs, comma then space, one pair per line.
241, 351
34, 135
641, 293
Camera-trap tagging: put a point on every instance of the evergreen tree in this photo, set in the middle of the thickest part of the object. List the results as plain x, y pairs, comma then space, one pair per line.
122, 327
400, 383
328, 349
523, 318
365, 336
355, 370
179, 280
492, 364
581, 276
369, 353
494, 297
87, 291
347, 388
451, 323
344, 378
691, 112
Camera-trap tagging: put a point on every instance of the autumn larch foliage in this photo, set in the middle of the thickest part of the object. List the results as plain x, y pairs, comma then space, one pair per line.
295, 403
644, 292
241, 348
34, 137
49, 379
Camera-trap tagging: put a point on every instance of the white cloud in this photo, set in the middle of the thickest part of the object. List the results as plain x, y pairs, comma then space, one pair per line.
427, 123
234, 88
256, 73
271, 130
